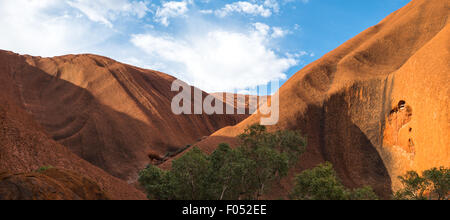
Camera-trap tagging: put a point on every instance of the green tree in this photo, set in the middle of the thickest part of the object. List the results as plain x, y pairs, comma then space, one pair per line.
364, 193
245, 172
158, 183
414, 187
190, 174
266, 157
432, 184
322, 183
186, 181
224, 172
440, 182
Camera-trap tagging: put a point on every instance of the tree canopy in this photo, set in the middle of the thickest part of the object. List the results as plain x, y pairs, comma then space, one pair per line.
322, 183
245, 172
432, 184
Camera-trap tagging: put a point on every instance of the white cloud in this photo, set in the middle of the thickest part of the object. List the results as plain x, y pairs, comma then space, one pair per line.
279, 32
267, 31
207, 11
215, 59
289, 1
262, 28
297, 55
171, 9
273, 4
45, 28
264, 8
106, 11
218, 60
244, 8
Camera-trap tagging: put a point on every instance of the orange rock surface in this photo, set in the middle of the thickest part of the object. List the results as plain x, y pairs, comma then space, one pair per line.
376, 106
111, 114
51, 184
242, 101
93, 116
25, 147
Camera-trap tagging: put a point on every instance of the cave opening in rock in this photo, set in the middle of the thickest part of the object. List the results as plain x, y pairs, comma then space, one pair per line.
401, 104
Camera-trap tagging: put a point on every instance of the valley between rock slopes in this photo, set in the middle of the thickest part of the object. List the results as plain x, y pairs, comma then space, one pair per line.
376, 107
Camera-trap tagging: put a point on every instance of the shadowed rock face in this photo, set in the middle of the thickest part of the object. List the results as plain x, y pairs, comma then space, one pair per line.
250, 102
51, 184
110, 114
25, 147
377, 106
90, 114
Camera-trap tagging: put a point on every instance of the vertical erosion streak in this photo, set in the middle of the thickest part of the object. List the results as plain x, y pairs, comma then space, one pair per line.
136, 92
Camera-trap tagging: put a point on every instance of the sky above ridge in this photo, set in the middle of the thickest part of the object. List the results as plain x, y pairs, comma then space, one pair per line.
216, 45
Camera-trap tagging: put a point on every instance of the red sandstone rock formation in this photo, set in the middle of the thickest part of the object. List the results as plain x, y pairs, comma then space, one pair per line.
239, 100
86, 112
25, 147
375, 107
108, 113
51, 184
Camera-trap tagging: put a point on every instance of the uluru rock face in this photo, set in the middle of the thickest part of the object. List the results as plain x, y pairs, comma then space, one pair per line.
110, 114
25, 147
51, 184
375, 107
245, 102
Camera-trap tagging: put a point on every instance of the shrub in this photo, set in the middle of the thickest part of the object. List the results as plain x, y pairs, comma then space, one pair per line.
322, 183
432, 184
43, 169
245, 172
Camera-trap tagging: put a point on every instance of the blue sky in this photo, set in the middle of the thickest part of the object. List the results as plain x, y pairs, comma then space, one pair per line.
216, 45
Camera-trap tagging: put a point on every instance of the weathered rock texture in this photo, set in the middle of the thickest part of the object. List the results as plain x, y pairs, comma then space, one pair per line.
110, 114
248, 102
25, 147
375, 107
51, 184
